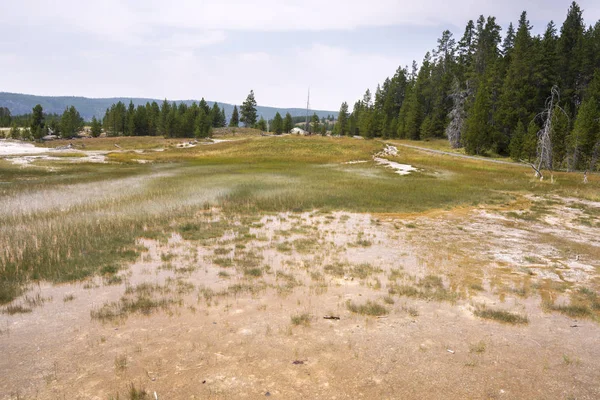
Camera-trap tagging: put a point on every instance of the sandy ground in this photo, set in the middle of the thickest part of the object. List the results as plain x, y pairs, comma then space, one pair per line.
213, 341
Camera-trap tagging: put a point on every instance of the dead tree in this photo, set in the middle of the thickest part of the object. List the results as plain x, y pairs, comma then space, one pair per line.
544, 143
457, 115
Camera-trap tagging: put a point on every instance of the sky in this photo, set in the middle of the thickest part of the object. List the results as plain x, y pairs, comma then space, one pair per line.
220, 49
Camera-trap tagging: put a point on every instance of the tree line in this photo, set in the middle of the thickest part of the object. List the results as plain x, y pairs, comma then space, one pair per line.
38, 124
180, 120
489, 93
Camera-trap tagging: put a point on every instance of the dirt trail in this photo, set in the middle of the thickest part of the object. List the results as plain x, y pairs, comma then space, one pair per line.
448, 153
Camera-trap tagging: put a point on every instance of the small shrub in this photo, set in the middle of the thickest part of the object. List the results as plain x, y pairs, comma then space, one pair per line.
369, 308
478, 347
301, 319
501, 316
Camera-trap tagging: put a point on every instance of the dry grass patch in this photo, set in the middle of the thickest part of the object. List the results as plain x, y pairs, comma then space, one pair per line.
503, 316
370, 308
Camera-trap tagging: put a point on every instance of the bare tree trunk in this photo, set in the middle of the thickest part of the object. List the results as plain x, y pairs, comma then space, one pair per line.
544, 145
457, 115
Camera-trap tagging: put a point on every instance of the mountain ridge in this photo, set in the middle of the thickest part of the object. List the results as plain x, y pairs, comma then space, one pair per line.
21, 103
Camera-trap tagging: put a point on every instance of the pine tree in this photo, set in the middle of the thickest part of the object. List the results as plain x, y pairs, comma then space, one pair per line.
585, 138
215, 115
203, 124
277, 125
70, 122
234, 122
315, 124
570, 50
288, 123
129, 117
248, 110
517, 101
96, 127
15, 131
477, 138
516, 143
37, 118
529, 147
261, 124
342, 122
223, 118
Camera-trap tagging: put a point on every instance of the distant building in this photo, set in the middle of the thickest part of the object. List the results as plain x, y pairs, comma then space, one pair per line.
298, 131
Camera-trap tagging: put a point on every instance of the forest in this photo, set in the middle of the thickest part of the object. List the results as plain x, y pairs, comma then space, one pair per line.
494, 94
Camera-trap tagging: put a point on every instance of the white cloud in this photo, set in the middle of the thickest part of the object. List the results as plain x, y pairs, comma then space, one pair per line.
152, 48
130, 21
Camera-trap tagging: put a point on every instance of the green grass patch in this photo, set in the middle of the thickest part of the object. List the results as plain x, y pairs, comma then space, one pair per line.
503, 316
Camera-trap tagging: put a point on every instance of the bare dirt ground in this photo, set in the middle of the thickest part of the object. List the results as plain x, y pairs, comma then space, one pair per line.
242, 316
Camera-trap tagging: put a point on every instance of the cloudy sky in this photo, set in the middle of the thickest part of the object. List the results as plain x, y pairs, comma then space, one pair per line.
220, 49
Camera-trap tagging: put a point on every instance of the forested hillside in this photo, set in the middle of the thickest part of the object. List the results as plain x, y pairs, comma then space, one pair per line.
19, 104
492, 93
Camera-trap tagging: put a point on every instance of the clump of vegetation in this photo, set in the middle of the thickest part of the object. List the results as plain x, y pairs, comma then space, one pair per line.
120, 363
68, 297
478, 347
137, 394
253, 272
304, 245
301, 319
16, 309
144, 298
430, 287
585, 303
572, 310
503, 316
284, 247
370, 308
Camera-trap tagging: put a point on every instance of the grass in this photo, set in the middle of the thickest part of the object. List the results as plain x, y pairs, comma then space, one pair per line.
68, 226
16, 309
503, 316
301, 319
143, 299
430, 287
369, 308
478, 347
120, 363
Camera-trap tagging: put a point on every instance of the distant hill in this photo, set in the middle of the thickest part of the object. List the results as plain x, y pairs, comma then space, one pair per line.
88, 107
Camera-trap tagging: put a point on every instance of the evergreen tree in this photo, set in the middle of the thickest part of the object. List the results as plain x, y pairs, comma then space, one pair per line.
223, 118
570, 63
15, 131
70, 122
288, 123
248, 111
530, 141
37, 118
477, 138
234, 122
315, 125
277, 125
516, 143
5, 118
517, 101
96, 127
216, 116
342, 122
261, 124
203, 124
585, 138
130, 117
165, 110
